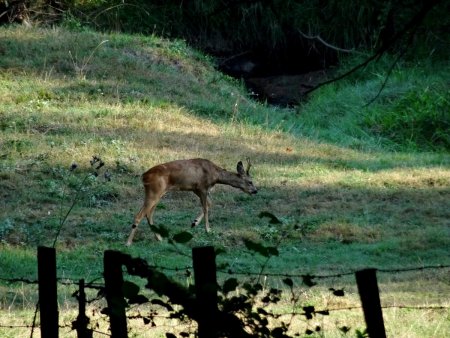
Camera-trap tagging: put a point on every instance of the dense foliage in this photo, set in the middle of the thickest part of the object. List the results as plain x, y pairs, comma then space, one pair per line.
419, 120
272, 26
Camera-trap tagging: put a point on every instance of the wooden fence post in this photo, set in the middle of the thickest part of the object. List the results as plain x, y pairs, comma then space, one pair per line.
204, 263
112, 262
370, 299
48, 303
82, 320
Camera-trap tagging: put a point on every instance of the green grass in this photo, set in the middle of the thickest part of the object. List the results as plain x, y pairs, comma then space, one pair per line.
348, 197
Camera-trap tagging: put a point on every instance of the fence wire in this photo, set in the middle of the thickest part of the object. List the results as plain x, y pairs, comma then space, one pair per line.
187, 272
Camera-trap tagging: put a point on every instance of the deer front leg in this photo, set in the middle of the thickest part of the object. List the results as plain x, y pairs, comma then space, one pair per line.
206, 204
197, 219
134, 226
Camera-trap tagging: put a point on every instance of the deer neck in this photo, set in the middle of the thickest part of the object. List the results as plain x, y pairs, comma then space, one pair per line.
229, 178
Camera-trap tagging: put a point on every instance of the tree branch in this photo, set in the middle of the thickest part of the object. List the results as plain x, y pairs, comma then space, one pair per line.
411, 27
326, 44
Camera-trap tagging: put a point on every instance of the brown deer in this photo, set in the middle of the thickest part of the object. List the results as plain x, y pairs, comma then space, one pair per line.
196, 175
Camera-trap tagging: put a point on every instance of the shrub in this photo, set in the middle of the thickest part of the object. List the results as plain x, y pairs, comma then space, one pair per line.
419, 120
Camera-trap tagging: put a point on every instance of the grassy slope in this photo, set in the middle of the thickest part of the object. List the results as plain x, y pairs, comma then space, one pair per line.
346, 202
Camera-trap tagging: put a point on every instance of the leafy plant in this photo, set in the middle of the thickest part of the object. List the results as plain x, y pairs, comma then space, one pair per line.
419, 120
243, 308
96, 164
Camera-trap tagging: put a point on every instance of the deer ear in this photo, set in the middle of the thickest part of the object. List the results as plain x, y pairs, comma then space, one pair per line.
240, 168
249, 164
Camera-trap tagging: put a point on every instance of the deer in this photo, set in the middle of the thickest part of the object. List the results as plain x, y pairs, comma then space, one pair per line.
197, 175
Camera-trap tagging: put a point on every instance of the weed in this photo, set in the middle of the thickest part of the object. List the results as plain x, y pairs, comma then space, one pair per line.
80, 189
81, 66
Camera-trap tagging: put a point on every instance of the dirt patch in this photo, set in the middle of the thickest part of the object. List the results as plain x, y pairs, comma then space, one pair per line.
285, 90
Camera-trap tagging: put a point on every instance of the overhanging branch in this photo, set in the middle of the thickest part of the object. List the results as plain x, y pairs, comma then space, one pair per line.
410, 29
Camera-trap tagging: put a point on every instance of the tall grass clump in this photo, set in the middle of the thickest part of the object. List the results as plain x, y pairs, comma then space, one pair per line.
418, 120
371, 109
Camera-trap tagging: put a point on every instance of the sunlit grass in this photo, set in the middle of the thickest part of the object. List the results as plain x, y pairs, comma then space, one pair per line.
345, 199
402, 295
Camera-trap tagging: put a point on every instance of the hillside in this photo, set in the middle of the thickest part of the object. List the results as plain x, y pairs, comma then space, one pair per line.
139, 101
347, 194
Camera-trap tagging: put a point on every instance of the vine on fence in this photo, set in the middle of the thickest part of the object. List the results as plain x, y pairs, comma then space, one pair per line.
233, 295
243, 308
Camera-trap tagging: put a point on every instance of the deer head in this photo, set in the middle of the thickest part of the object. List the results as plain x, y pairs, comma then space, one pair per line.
247, 182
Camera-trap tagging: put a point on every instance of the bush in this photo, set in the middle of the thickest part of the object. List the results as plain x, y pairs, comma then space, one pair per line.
419, 120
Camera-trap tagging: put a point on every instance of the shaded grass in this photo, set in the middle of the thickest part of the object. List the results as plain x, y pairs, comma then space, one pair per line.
346, 200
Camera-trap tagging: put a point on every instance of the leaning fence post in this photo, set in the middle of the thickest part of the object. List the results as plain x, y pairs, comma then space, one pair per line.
82, 321
112, 262
370, 299
204, 263
48, 303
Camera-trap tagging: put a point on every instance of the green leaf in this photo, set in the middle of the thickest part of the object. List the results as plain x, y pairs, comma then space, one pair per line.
160, 230
138, 299
272, 218
262, 312
220, 251
252, 289
162, 303
255, 247
361, 334
278, 332
182, 237
288, 282
230, 285
130, 290
309, 311
308, 280
344, 329
338, 292
266, 299
261, 249
272, 251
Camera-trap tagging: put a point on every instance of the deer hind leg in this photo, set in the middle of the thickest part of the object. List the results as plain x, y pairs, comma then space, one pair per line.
147, 210
206, 204
149, 217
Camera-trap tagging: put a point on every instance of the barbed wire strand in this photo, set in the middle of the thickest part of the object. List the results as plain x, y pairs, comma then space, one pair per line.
69, 281
338, 275
98, 286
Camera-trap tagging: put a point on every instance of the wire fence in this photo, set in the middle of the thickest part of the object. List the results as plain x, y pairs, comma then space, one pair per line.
187, 271
143, 309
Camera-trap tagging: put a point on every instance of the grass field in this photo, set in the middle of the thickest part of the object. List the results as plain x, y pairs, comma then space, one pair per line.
347, 198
